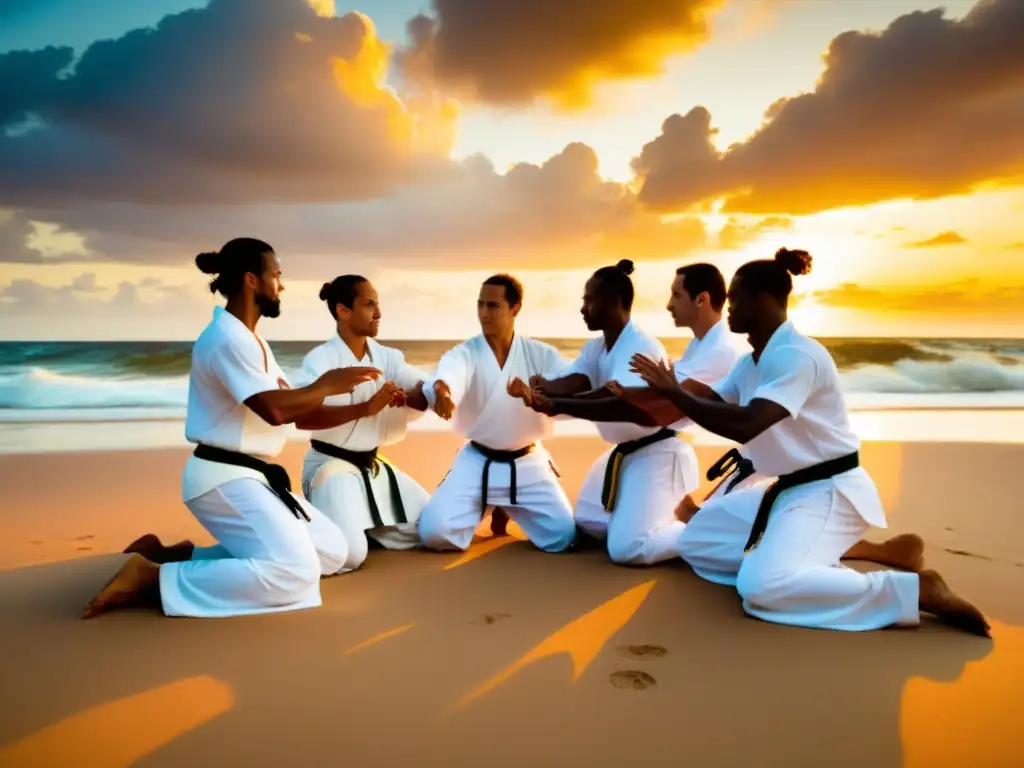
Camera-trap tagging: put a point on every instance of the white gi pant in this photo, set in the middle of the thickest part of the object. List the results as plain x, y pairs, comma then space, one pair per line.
642, 529
266, 559
342, 498
542, 509
794, 576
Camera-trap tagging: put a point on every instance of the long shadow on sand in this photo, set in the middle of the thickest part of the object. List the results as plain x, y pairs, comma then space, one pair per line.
717, 688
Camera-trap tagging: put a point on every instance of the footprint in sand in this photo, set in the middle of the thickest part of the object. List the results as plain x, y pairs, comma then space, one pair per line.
632, 679
35, 542
490, 618
84, 538
965, 553
641, 652
84, 549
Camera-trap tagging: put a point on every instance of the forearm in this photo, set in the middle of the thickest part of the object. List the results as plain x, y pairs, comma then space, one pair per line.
284, 406
566, 386
330, 416
734, 422
604, 409
592, 394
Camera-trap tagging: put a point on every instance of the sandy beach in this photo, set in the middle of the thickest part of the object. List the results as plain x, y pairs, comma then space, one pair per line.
504, 656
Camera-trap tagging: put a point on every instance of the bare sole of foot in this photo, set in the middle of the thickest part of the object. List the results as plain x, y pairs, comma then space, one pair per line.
129, 586
948, 607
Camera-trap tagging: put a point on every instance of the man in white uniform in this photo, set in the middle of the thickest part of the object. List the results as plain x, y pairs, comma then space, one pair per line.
503, 463
631, 491
273, 546
783, 403
343, 476
698, 297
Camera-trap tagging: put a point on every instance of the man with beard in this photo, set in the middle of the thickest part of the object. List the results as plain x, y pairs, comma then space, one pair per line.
272, 545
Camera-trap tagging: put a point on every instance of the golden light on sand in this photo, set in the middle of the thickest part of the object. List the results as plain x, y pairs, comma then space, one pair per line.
121, 732
379, 638
480, 549
582, 639
973, 720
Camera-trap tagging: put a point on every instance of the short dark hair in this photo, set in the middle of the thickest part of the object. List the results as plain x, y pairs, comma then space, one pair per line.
701, 278
513, 288
773, 276
232, 262
342, 290
615, 282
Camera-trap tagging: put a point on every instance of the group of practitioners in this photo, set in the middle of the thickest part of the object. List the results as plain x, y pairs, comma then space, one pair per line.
792, 500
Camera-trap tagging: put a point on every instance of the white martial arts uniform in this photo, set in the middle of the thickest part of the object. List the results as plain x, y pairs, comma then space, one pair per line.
794, 575
267, 559
335, 486
487, 415
642, 528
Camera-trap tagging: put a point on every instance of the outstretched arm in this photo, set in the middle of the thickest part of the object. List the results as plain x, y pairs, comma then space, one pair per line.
564, 386
784, 389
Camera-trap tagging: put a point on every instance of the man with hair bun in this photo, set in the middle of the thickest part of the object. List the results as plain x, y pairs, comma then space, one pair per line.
343, 475
630, 493
272, 545
781, 544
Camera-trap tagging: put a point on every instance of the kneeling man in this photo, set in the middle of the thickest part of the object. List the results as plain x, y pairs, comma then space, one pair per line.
343, 475
783, 402
503, 463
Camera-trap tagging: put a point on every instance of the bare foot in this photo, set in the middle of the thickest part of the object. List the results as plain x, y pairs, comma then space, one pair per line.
686, 509
151, 548
905, 552
937, 598
499, 522
136, 583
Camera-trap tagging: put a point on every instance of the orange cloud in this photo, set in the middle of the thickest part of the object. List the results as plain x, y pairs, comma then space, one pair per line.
966, 296
509, 52
929, 107
944, 238
736, 233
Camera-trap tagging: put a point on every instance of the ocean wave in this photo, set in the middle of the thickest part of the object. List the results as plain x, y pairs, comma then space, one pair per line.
138, 375
978, 374
39, 388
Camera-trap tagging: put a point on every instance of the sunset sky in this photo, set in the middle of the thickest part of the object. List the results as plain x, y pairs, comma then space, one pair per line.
429, 143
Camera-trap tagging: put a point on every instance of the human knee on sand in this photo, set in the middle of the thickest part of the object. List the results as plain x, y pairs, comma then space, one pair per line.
272, 545
782, 402
630, 493
503, 462
342, 475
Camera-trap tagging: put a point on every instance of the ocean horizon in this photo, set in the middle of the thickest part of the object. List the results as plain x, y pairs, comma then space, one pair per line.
109, 395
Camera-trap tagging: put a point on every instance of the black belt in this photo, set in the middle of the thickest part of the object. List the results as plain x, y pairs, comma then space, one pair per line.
610, 490
367, 462
730, 465
822, 471
502, 457
277, 476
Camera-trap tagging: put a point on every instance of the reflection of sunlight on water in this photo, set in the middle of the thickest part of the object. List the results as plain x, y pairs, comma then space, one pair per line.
986, 426
121, 732
974, 720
